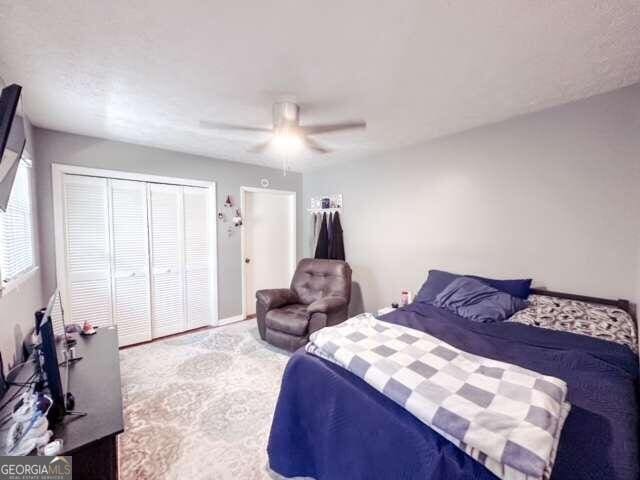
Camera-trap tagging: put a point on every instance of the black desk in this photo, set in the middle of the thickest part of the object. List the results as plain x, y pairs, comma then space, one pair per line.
95, 384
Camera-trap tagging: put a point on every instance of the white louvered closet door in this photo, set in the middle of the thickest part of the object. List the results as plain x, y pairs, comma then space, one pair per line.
130, 261
167, 254
87, 248
196, 253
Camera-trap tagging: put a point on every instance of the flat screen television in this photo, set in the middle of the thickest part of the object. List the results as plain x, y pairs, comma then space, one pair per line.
12, 140
49, 359
48, 321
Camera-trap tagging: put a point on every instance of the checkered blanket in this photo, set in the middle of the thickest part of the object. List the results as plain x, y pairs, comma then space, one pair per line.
506, 417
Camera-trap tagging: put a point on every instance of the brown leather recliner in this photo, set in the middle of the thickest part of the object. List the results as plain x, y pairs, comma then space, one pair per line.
319, 297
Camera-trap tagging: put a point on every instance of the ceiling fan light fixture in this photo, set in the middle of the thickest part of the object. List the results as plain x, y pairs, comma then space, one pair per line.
288, 137
287, 143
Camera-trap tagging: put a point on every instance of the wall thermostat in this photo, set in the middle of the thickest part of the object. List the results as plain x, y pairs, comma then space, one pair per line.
264, 182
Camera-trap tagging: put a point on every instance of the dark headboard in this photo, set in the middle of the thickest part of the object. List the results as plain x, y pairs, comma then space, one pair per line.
620, 303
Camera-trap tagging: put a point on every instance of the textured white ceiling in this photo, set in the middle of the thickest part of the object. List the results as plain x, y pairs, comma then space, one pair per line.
148, 71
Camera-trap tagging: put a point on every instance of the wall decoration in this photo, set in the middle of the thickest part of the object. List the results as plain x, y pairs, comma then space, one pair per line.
325, 202
228, 203
237, 220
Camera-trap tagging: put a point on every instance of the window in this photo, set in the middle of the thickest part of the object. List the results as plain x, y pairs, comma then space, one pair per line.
16, 229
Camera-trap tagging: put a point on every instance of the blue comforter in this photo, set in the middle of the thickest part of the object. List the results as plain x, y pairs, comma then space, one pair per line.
330, 424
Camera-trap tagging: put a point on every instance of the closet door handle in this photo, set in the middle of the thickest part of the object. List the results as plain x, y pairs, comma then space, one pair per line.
247, 260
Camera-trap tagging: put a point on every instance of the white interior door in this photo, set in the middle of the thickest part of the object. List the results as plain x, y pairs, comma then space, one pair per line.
269, 242
197, 250
87, 250
130, 261
167, 259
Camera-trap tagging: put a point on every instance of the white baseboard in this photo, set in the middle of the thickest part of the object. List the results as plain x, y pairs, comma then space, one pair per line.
224, 321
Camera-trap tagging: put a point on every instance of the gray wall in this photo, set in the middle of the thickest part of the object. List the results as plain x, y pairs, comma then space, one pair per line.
18, 305
64, 148
553, 195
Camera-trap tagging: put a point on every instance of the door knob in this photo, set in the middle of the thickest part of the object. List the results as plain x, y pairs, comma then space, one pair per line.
247, 260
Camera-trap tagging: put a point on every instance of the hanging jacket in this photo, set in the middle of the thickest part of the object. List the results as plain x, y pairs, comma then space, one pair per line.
322, 248
314, 237
336, 250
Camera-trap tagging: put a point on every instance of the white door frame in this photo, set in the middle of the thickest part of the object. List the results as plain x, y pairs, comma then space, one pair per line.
294, 244
59, 170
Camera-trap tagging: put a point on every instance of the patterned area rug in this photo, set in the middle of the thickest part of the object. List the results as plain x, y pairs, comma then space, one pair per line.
199, 406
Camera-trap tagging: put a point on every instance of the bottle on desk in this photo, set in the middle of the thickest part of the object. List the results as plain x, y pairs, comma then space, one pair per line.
405, 298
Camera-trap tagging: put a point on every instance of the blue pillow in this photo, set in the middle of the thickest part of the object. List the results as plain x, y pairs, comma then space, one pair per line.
518, 288
475, 300
438, 280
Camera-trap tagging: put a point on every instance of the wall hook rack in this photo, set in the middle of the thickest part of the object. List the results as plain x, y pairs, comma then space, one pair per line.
325, 203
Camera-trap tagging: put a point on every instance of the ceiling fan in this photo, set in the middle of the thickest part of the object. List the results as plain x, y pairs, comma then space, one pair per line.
288, 136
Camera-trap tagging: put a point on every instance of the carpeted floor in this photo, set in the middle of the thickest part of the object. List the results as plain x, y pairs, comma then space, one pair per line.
199, 406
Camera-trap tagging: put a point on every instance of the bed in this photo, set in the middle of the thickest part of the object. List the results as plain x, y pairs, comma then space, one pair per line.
330, 424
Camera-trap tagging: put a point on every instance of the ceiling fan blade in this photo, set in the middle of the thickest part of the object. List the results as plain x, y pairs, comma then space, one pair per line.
227, 126
315, 146
334, 127
260, 147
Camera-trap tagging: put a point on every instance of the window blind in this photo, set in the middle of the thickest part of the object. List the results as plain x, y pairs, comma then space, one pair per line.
16, 228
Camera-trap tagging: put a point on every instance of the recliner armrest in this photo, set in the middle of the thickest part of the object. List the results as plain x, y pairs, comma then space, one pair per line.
276, 297
326, 305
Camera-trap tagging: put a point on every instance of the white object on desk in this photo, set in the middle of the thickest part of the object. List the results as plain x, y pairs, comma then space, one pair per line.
385, 310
